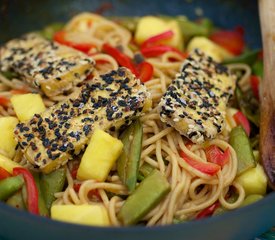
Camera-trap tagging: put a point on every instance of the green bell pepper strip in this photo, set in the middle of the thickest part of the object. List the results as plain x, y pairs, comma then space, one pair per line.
241, 144
52, 183
128, 162
145, 197
9, 186
248, 57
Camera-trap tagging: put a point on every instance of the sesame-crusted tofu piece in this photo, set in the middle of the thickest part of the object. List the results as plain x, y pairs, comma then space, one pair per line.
48, 65
195, 102
51, 138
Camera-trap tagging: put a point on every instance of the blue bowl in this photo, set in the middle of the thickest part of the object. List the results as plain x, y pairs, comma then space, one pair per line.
18, 17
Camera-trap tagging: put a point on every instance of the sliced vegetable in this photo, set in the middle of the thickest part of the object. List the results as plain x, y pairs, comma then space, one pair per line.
232, 40
122, 59
207, 212
249, 110
4, 101
9, 186
254, 180
7, 140
145, 169
4, 173
32, 189
215, 155
190, 29
99, 157
16, 201
145, 71
258, 68
43, 211
149, 26
8, 164
240, 142
155, 51
251, 199
254, 83
60, 37
26, 105
157, 39
248, 57
52, 183
210, 48
207, 168
92, 214
49, 31
146, 196
128, 162
241, 119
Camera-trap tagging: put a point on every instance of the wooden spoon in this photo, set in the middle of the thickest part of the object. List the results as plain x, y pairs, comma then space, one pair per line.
267, 92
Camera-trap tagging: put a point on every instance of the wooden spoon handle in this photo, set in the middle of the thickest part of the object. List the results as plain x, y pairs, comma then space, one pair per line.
267, 95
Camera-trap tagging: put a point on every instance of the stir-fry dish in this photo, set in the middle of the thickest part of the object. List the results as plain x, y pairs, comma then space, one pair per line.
117, 121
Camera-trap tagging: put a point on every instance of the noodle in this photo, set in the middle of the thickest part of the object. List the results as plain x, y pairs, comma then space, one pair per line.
191, 190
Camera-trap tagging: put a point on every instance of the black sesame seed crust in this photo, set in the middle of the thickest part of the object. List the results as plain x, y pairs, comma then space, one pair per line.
195, 102
50, 139
44, 64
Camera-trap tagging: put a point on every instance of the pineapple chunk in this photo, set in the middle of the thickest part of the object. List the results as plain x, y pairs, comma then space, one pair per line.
26, 105
8, 164
7, 140
150, 26
99, 157
254, 181
92, 214
210, 48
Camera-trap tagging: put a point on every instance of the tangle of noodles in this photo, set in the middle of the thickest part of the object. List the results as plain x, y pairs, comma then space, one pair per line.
191, 190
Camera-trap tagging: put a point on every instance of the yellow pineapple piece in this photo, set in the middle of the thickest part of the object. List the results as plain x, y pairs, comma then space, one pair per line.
7, 140
8, 164
99, 157
150, 26
26, 105
253, 180
209, 48
92, 214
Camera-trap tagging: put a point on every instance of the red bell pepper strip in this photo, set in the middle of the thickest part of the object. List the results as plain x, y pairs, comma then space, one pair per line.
208, 168
145, 71
32, 189
4, 173
215, 155
155, 51
241, 119
254, 83
121, 58
60, 37
19, 91
4, 101
157, 38
232, 40
207, 212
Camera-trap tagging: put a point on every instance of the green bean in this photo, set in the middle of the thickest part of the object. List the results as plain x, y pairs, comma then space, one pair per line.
51, 184
16, 201
9, 186
128, 162
240, 142
258, 68
145, 197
